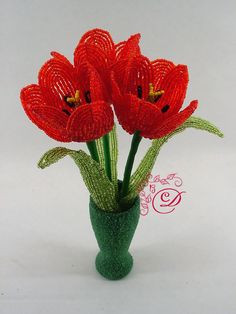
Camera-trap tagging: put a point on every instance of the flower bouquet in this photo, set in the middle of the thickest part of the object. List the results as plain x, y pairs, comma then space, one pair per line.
77, 102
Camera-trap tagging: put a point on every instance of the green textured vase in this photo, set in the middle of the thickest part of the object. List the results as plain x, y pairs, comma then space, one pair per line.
114, 232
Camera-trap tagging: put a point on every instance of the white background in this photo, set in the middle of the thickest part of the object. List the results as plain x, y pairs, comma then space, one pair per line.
185, 261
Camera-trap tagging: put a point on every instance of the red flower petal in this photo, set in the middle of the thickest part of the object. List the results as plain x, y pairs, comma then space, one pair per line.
96, 47
148, 117
51, 120
90, 80
135, 114
129, 48
57, 80
133, 73
175, 86
31, 95
91, 121
161, 68
172, 123
60, 57
138, 73
126, 109
125, 52
97, 88
116, 93
92, 54
95, 40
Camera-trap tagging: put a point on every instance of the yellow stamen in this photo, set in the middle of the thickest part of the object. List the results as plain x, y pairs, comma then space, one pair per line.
75, 99
151, 89
153, 95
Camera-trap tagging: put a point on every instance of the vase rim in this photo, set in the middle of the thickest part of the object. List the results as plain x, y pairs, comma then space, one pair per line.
136, 203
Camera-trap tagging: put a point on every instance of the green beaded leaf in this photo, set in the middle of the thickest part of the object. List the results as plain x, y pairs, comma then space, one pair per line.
52, 156
113, 155
138, 179
100, 188
99, 144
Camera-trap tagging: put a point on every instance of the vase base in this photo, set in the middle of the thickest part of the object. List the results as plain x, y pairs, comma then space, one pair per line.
114, 267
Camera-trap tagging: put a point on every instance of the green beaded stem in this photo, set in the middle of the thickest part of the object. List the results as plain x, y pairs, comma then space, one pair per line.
107, 156
93, 150
129, 164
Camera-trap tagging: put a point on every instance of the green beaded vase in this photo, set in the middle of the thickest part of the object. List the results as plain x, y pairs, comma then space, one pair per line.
114, 232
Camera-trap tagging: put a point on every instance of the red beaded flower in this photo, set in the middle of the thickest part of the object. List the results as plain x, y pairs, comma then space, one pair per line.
147, 95
69, 102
